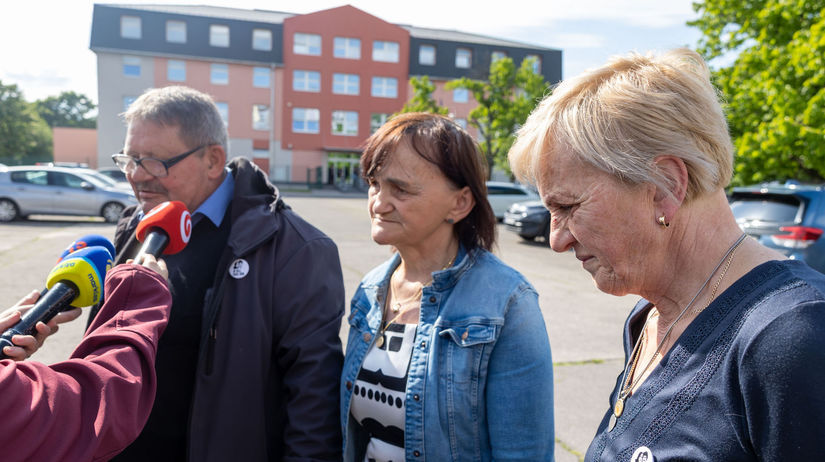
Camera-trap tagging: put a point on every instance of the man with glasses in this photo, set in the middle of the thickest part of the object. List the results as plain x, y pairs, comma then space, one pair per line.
248, 368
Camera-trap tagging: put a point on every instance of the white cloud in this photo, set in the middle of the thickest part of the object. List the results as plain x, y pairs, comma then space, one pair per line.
575, 40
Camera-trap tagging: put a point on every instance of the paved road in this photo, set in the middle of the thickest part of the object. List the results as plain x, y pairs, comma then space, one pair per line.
583, 324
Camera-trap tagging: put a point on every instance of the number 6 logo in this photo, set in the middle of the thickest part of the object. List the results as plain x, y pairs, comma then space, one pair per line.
185, 226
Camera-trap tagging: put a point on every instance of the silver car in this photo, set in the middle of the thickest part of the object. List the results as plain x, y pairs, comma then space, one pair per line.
29, 190
502, 195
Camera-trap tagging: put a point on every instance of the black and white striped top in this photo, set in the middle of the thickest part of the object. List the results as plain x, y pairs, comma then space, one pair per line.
378, 398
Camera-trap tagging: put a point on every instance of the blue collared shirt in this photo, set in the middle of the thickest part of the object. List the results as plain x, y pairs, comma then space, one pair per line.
214, 207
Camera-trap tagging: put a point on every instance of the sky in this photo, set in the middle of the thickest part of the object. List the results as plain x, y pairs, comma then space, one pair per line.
44, 44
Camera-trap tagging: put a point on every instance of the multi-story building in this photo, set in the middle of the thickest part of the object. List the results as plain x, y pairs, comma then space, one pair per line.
299, 92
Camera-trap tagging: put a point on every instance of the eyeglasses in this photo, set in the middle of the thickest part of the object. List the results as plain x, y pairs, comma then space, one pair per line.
155, 167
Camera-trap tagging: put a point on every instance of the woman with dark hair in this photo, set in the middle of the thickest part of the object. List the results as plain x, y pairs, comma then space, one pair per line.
448, 357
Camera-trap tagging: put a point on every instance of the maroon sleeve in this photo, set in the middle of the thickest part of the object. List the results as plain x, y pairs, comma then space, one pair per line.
93, 405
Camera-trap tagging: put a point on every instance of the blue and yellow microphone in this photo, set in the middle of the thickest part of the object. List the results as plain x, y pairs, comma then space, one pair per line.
77, 280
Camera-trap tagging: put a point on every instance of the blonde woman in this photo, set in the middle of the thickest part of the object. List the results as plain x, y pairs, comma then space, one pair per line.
723, 354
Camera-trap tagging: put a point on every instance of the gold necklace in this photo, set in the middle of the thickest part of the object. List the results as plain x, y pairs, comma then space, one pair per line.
396, 307
628, 379
721, 276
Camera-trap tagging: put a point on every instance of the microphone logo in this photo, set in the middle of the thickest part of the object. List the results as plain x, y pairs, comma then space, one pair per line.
185, 226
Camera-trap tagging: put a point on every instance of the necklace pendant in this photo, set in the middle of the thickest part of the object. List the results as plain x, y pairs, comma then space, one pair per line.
396, 307
618, 408
379, 342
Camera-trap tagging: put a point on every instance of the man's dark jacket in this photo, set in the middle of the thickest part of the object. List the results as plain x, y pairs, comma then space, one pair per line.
266, 386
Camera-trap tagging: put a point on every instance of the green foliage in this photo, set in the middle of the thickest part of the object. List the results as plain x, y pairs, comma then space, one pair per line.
775, 89
422, 100
68, 109
24, 136
504, 102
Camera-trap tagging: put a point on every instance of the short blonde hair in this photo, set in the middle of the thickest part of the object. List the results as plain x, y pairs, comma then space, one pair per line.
621, 116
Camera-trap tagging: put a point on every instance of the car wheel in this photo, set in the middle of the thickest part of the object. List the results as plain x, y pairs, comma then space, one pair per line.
546, 233
111, 212
8, 210
526, 237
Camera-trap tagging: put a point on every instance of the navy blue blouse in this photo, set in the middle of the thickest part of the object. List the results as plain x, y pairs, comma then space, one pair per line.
744, 382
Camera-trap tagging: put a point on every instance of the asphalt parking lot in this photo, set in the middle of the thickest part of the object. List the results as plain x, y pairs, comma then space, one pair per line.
584, 325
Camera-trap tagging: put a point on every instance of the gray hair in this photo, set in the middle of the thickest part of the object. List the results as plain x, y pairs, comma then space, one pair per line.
194, 113
621, 116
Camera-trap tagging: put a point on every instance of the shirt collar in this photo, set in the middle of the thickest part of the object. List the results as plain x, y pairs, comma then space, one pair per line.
214, 207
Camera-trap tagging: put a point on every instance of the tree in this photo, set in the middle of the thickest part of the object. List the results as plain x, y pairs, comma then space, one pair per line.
422, 100
24, 136
775, 89
68, 109
504, 100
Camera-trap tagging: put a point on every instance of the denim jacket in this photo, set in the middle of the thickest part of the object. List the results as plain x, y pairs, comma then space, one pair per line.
480, 384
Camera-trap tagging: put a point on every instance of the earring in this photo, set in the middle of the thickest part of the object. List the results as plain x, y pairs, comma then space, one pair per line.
450, 221
663, 222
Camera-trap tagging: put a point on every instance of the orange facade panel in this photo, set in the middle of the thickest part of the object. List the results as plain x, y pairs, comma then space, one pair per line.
374, 83
78, 145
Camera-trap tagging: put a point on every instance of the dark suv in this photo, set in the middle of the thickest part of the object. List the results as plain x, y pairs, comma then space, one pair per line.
787, 217
529, 219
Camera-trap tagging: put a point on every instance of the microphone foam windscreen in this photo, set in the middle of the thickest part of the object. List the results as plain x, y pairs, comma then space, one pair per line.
89, 240
173, 218
86, 269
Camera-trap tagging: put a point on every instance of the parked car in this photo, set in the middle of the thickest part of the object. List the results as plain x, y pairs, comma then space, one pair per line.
502, 195
114, 173
28, 190
529, 219
787, 217
106, 180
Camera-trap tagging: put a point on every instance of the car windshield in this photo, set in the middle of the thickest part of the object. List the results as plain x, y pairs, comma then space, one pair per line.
98, 180
766, 208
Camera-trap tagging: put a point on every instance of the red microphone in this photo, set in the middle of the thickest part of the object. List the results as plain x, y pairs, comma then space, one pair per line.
165, 229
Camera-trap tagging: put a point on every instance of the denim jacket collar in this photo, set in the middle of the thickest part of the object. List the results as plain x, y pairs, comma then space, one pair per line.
442, 279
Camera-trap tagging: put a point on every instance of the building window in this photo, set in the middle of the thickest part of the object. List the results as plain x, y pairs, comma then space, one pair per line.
345, 123
461, 95
131, 66
463, 58
130, 27
219, 35
176, 31
260, 117
345, 84
385, 51
307, 44
305, 120
127, 101
223, 110
176, 70
461, 123
496, 55
536, 63
262, 39
426, 55
384, 87
260, 77
219, 74
376, 121
306, 81
347, 48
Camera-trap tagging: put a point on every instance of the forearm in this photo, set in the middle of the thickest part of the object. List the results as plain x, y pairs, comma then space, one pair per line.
95, 403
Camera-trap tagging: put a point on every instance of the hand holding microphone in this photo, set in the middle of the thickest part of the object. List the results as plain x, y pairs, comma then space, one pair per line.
76, 281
